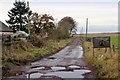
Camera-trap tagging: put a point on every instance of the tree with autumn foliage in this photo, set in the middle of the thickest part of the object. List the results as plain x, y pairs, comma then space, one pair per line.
42, 23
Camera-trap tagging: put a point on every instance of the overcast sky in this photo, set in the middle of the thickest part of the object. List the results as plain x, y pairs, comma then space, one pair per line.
102, 14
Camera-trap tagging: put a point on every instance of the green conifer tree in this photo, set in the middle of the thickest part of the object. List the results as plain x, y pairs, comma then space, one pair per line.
18, 16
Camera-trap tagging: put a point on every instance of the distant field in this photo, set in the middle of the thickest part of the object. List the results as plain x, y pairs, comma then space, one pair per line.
114, 40
99, 34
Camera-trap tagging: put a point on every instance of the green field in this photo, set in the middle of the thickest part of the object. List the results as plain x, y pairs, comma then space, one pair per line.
114, 41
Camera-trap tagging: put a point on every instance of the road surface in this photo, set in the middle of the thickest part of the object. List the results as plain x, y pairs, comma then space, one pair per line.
67, 64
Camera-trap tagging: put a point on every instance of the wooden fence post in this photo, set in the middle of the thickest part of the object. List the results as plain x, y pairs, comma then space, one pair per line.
105, 50
113, 48
110, 51
93, 52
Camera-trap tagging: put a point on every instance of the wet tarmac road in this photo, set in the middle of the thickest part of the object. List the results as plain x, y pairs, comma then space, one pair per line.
69, 63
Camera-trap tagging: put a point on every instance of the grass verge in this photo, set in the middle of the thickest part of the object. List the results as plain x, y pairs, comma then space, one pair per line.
104, 62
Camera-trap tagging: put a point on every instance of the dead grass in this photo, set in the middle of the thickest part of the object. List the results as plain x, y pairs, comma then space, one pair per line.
105, 63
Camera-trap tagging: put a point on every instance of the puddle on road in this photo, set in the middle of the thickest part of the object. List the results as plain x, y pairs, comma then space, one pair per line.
74, 67
82, 71
34, 75
69, 74
38, 68
60, 72
58, 68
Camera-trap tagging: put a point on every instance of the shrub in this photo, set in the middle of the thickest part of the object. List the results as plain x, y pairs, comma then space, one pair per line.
37, 41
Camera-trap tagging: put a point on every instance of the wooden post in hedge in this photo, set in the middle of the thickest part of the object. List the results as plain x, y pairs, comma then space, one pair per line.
113, 48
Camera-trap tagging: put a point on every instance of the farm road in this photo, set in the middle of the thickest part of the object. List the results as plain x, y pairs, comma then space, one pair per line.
69, 63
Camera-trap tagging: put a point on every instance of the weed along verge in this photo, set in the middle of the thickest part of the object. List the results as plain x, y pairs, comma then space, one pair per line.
105, 60
23, 55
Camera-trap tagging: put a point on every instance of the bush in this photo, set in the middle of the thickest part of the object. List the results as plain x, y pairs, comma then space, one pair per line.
37, 41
